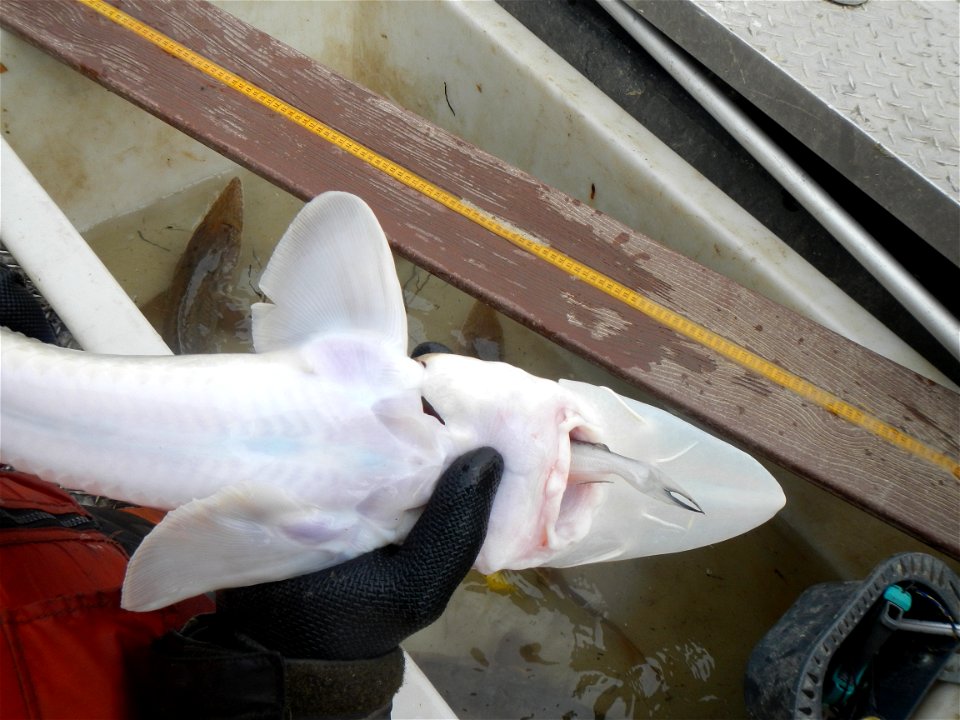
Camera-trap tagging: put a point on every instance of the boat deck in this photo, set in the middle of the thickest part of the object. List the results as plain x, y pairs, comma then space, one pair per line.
872, 88
762, 376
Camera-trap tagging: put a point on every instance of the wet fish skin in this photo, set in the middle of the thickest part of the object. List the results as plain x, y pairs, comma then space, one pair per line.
161, 431
309, 459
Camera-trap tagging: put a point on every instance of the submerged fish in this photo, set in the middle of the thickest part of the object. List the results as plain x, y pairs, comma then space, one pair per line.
193, 306
316, 448
481, 335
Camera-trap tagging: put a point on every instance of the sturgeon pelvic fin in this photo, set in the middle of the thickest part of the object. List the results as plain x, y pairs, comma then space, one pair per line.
241, 535
590, 462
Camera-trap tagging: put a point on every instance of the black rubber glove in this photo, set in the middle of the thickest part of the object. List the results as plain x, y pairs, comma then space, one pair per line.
364, 607
327, 644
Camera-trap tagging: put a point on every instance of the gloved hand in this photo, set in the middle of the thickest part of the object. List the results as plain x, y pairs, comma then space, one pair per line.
365, 607
327, 644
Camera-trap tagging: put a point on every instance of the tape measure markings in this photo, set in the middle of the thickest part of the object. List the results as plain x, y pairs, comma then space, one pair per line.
605, 284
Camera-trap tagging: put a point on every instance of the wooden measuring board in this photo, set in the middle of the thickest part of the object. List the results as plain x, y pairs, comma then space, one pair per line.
756, 373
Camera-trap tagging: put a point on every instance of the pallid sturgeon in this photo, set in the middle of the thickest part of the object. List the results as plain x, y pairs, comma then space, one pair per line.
316, 448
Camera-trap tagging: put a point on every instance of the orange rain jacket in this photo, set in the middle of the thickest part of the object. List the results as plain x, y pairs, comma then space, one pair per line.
67, 650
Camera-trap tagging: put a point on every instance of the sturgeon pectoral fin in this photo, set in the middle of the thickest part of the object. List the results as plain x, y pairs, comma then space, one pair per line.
240, 535
332, 271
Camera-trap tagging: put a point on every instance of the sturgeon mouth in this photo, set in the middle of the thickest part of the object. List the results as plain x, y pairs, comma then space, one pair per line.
569, 507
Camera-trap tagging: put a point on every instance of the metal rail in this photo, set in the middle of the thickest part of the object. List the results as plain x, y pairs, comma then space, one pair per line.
874, 258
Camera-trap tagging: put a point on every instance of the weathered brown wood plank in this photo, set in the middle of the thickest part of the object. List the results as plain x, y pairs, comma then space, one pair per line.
912, 493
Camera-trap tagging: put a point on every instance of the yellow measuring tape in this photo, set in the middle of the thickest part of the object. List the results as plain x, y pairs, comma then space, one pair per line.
611, 287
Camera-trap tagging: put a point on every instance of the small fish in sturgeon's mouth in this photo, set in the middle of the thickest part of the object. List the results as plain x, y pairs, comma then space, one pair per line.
316, 448
591, 462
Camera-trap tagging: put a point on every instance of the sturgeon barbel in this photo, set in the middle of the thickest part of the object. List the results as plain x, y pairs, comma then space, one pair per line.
316, 448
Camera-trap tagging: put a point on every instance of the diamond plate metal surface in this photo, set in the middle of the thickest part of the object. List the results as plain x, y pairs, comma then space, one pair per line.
873, 89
